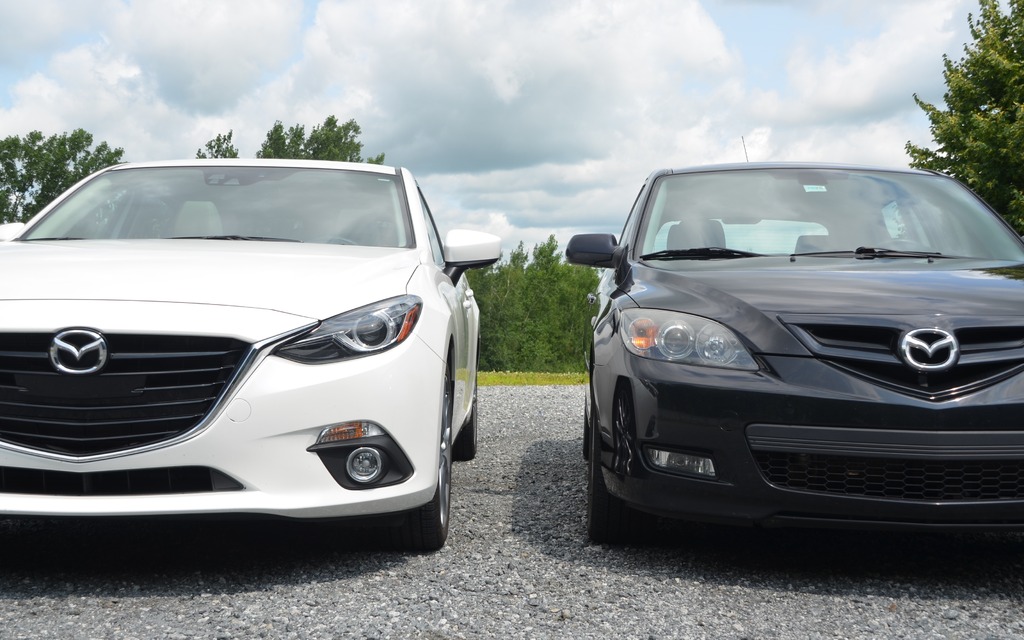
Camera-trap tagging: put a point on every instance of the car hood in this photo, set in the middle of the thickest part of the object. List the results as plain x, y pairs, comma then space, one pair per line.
752, 300
294, 283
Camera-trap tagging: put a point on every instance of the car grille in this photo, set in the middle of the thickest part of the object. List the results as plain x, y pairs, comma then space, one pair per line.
868, 347
153, 388
891, 464
134, 482
948, 480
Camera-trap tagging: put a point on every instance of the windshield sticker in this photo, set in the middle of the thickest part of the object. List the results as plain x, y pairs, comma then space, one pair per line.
815, 188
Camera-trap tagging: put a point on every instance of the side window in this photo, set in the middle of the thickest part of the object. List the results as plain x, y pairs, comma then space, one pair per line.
634, 215
435, 239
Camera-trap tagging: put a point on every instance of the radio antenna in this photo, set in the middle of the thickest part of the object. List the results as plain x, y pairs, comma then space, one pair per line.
744, 143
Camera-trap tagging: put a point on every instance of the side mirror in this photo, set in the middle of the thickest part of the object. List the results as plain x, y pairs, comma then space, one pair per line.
592, 250
11, 230
465, 249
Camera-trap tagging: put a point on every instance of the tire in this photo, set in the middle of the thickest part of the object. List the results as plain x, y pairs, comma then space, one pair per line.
426, 528
610, 519
465, 445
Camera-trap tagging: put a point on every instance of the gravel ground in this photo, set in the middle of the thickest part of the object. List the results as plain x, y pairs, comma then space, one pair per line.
517, 564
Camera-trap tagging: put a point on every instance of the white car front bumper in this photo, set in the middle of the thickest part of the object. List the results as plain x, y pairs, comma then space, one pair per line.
260, 437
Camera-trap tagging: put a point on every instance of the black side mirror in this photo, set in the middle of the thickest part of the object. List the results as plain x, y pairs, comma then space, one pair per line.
593, 250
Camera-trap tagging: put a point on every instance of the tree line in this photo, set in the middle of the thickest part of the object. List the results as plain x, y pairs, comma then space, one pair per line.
35, 169
534, 315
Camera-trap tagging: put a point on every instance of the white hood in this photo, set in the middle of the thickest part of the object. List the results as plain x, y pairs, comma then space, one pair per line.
259, 288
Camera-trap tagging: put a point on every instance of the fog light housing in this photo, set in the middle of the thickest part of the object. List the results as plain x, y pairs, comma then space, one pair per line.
685, 463
360, 455
364, 465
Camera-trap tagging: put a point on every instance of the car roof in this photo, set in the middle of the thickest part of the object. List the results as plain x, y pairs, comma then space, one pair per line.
261, 162
747, 166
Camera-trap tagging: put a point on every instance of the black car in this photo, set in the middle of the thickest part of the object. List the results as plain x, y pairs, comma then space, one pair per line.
806, 345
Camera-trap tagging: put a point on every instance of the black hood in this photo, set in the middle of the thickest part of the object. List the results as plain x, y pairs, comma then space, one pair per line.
752, 300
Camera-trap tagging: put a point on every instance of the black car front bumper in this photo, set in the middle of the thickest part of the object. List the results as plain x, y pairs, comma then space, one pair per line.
809, 445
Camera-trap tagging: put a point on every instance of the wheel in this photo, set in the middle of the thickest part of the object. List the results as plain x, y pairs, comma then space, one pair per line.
610, 519
465, 445
426, 528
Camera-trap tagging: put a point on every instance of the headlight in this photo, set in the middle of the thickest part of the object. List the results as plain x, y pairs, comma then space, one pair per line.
683, 338
356, 333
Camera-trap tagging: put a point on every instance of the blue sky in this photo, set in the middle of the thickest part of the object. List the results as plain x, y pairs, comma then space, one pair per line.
524, 118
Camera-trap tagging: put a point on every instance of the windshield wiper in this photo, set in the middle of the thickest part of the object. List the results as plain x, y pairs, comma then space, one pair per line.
236, 237
878, 252
870, 253
702, 253
50, 239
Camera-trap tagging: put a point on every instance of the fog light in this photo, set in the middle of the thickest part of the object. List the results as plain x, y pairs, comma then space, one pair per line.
364, 465
349, 431
682, 462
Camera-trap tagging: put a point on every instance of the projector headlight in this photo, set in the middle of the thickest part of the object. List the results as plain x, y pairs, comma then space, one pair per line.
361, 332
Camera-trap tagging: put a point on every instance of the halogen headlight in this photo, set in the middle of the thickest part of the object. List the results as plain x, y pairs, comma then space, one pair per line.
360, 332
683, 338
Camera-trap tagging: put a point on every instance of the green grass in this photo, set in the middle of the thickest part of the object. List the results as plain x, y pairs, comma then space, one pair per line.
520, 379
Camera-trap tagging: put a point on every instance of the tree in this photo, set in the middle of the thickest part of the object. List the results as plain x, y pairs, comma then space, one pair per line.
533, 311
220, 146
328, 141
34, 170
981, 132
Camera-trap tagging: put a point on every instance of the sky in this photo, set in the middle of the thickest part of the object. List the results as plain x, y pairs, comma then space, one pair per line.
524, 118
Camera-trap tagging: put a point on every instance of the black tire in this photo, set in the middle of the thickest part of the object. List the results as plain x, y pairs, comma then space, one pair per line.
610, 519
426, 528
465, 445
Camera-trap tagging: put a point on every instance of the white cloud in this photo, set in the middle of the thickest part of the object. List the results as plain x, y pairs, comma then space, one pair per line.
30, 29
874, 77
203, 56
523, 117
481, 87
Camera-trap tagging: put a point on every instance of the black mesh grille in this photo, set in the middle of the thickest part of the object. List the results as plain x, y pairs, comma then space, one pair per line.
153, 388
115, 483
932, 480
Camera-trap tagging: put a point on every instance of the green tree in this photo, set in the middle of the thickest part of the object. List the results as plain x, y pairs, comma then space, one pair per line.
328, 141
221, 146
980, 134
35, 169
533, 310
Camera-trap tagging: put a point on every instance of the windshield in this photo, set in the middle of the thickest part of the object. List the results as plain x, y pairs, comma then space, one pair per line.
822, 213
236, 203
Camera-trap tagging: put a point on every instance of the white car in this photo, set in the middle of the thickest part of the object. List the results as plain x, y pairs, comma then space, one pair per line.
283, 338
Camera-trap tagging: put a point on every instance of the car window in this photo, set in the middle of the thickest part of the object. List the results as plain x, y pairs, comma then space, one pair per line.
785, 211
304, 205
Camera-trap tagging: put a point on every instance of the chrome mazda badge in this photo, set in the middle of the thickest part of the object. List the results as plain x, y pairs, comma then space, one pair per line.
929, 349
78, 351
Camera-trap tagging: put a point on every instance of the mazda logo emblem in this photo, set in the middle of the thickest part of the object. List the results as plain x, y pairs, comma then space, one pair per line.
929, 349
78, 351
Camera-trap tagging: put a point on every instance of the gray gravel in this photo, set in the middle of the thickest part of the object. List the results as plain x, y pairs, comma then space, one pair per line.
517, 564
